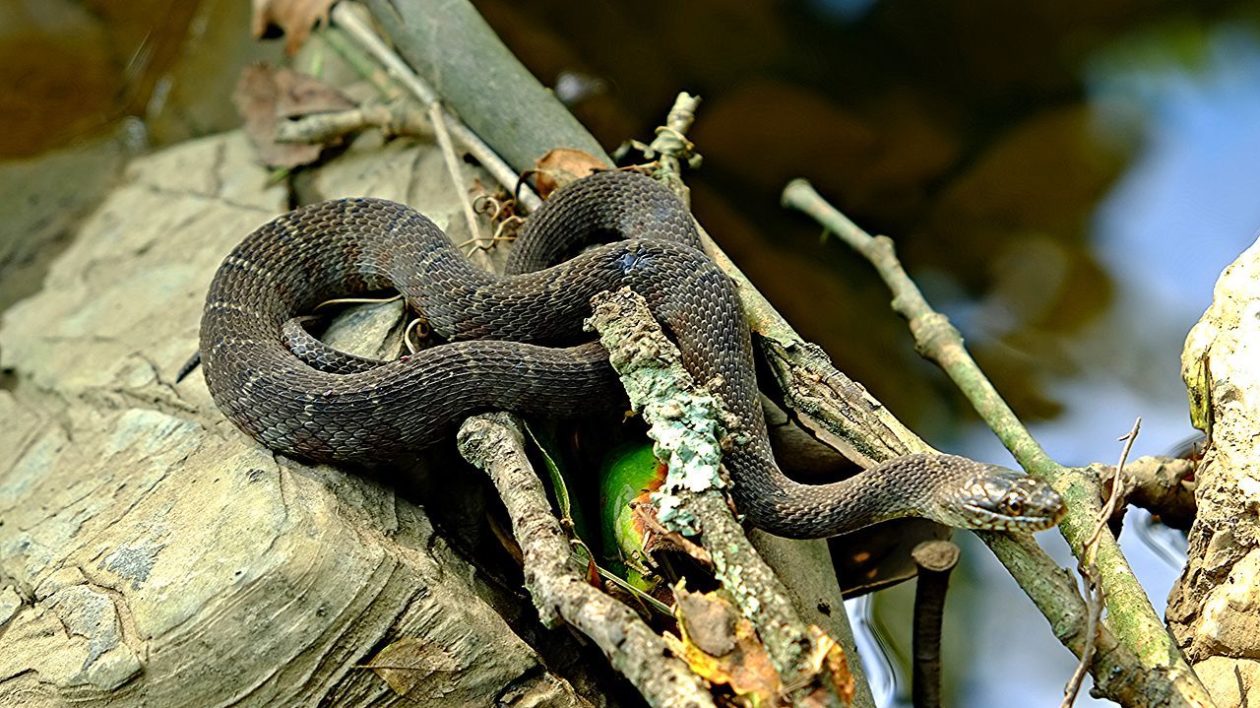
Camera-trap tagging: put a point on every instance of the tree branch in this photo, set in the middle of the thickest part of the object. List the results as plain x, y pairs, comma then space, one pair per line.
936, 561
493, 442
1131, 616
685, 422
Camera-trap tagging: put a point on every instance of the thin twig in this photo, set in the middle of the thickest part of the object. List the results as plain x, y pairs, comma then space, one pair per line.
936, 560
494, 443
1116, 498
416, 325
671, 147
1140, 629
398, 118
352, 52
347, 16
437, 117
1089, 571
357, 301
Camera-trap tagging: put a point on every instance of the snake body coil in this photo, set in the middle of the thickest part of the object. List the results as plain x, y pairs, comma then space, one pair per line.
506, 349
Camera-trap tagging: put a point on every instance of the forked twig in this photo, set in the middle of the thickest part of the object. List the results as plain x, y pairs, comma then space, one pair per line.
1089, 571
1161, 667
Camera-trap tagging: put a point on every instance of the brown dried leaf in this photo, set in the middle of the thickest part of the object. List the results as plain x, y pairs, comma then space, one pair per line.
658, 539
410, 661
708, 620
562, 166
828, 661
266, 95
295, 18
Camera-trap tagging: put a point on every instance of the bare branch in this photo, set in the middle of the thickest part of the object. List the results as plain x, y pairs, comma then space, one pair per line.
936, 560
1134, 621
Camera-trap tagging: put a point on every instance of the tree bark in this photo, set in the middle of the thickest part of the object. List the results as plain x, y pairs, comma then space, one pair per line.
1212, 608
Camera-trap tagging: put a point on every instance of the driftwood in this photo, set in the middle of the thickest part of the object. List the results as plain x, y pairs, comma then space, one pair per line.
151, 552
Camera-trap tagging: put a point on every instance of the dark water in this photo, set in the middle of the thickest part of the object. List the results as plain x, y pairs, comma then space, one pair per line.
1064, 179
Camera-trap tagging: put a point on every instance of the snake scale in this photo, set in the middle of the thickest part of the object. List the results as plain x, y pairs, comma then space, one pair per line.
515, 342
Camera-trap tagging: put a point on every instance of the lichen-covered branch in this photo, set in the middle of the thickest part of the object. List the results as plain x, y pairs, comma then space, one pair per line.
494, 443
1131, 617
685, 423
1054, 591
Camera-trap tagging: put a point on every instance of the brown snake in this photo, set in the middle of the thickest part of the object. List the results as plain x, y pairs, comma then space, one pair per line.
513, 345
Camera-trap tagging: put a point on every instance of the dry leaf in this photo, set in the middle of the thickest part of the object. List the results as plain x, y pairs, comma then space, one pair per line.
410, 661
709, 621
295, 18
562, 166
828, 661
265, 95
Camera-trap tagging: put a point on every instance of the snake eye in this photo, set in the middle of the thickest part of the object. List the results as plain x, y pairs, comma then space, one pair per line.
1015, 507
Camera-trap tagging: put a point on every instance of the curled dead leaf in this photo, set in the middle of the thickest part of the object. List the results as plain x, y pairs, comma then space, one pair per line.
295, 18
265, 95
562, 166
829, 664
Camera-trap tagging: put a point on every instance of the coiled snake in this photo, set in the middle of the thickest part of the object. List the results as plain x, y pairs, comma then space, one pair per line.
511, 345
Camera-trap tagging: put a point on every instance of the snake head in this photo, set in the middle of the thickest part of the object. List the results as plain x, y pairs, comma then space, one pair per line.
998, 499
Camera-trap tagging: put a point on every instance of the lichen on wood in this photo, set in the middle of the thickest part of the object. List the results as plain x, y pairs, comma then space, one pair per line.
687, 439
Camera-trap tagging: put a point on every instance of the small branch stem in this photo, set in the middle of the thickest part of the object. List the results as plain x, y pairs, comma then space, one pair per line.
437, 116
936, 560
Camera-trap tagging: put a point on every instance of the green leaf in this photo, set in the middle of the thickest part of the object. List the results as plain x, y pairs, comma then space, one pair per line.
630, 474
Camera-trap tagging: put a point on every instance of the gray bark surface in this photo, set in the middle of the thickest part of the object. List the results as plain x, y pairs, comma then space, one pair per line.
149, 551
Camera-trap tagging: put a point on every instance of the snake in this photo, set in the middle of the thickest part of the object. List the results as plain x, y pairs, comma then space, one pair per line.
515, 342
